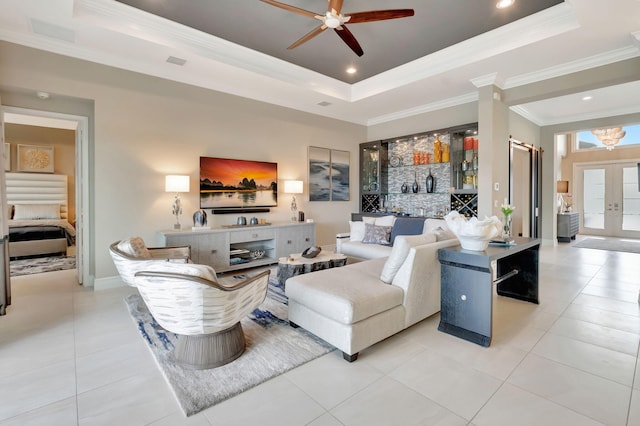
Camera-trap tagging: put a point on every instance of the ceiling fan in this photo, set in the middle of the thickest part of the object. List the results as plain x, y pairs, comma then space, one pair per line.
334, 19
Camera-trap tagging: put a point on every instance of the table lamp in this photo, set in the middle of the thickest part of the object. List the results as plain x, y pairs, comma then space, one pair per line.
293, 187
177, 184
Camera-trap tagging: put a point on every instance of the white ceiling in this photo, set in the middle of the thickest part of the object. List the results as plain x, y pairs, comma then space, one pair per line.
569, 37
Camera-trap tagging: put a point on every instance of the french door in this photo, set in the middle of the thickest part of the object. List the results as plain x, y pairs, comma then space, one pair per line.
608, 199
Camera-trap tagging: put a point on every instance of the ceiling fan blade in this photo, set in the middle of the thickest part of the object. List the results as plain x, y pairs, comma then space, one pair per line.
291, 8
348, 38
311, 34
335, 5
379, 15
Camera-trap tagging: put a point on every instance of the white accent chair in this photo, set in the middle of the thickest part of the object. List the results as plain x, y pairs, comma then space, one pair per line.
132, 255
187, 300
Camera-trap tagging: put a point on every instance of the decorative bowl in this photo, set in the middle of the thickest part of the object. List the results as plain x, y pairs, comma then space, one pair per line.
473, 234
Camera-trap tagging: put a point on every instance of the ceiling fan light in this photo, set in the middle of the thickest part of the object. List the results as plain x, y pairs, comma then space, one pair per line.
332, 21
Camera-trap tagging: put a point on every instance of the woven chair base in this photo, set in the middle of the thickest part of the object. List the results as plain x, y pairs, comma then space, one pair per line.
205, 351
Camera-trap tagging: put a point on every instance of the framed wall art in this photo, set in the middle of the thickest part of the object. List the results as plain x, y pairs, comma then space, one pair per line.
35, 158
319, 176
7, 157
339, 175
328, 174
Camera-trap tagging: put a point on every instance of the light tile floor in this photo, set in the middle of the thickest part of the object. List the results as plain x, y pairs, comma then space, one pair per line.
69, 355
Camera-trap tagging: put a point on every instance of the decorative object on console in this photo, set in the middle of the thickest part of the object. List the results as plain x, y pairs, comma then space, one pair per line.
34, 158
200, 219
177, 184
473, 234
293, 187
507, 212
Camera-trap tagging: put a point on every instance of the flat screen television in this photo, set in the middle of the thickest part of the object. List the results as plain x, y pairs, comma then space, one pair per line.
236, 184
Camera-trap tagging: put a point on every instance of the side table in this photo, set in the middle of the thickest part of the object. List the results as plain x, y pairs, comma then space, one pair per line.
297, 265
467, 280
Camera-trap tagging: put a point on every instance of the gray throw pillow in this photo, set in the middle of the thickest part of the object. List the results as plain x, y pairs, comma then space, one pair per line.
377, 234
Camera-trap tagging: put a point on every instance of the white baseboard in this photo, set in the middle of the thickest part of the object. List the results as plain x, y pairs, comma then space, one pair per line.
108, 283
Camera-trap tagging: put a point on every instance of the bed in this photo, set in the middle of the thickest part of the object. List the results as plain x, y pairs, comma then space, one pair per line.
38, 212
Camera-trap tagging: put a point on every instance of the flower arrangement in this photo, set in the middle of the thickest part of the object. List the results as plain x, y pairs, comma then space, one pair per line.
507, 209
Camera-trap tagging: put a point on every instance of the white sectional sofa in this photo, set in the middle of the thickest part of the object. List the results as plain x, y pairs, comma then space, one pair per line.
357, 248
358, 305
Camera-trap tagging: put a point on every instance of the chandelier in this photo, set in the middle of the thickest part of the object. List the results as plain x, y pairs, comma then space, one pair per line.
609, 137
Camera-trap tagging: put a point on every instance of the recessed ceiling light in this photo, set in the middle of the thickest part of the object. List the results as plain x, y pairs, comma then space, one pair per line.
587, 98
351, 70
504, 3
324, 103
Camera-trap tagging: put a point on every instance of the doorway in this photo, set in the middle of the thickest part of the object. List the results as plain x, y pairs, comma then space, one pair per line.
525, 162
609, 198
80, 124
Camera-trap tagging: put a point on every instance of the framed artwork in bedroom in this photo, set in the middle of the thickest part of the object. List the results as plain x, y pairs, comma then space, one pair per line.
7, 157
35, 158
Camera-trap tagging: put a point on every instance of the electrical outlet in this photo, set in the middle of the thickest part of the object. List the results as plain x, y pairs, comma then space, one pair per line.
496, 186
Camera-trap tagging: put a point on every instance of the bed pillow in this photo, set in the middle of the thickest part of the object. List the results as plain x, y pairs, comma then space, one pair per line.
400, 251
36, 211
374, 234
356, 231
134, 247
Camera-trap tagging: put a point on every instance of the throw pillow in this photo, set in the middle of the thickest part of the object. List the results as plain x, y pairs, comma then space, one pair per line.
374, 234
134, 247
400, 251
385, 221
36, 211
356, 231
406, 226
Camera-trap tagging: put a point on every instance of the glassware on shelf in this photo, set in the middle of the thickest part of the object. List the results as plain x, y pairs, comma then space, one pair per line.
437, 150
430, 182
446, 155
415, 187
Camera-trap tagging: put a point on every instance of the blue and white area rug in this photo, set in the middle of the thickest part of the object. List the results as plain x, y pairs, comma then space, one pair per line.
273, 348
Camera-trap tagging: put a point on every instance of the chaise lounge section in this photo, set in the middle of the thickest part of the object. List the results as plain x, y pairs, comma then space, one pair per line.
356, 306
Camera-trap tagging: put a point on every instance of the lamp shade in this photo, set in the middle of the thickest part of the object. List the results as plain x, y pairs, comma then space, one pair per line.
562, 186
176, 183
293, 186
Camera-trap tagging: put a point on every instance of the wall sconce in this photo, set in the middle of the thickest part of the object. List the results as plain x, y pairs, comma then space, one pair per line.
293, 187
177, 184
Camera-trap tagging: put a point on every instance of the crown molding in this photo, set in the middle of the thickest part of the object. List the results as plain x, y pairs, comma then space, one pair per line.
524, 112
422, 109
606, 58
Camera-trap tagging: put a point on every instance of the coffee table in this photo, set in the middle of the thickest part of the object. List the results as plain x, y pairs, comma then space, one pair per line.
295, 264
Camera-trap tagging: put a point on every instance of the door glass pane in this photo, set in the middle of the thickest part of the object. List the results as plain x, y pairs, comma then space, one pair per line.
593, 196
630, 199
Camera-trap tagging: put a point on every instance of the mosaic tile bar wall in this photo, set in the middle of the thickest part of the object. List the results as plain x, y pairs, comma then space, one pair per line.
403, 171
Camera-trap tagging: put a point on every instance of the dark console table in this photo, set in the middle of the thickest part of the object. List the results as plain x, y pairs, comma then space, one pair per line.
468, 278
